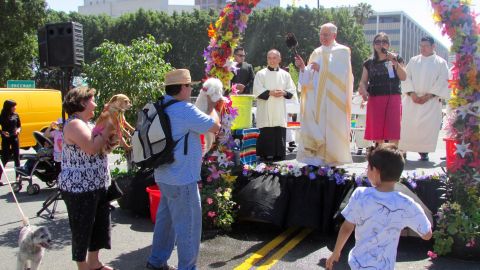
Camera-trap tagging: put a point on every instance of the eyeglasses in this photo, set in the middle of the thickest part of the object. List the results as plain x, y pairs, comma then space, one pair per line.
381, 41
240, 55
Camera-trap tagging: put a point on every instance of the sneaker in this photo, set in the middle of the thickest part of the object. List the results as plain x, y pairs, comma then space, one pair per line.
1, 184
165, 267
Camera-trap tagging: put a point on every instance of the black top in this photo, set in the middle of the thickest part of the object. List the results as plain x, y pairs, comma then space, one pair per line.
10, 124
379, 83
245, 76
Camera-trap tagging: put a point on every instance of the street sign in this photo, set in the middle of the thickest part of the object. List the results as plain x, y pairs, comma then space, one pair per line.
20, 84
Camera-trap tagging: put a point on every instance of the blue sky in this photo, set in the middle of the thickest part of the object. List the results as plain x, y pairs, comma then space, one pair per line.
419, 10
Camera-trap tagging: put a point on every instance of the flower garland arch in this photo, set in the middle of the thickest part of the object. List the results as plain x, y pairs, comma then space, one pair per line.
218, 211
224, 38
458, 220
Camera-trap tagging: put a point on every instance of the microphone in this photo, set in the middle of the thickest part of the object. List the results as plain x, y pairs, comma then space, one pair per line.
387, 52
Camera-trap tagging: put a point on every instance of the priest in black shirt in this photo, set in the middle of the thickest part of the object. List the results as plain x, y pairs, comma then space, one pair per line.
244, 76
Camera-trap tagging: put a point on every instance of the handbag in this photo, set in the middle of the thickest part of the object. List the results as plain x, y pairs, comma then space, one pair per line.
114, 192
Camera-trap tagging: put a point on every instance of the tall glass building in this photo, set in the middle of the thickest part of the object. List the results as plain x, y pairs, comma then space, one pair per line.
404, 33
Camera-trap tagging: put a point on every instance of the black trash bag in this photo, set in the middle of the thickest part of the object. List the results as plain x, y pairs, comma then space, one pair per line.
304, 208
338, 217
313, 203
114, 192
431, 192
263, 199
138, 196
334, 194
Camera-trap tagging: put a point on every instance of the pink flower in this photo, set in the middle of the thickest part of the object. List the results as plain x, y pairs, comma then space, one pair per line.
471, 243
209, 200
215, 174
432, 254
211, 214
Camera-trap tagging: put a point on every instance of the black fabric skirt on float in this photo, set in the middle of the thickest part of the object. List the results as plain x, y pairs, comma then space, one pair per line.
272, 143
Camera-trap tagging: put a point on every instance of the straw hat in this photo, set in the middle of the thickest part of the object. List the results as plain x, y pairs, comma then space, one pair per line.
178, 76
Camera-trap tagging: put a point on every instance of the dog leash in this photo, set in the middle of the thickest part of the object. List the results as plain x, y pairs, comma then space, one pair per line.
24, 218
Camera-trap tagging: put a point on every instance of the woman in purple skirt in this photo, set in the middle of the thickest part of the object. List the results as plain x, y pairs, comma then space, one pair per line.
380, 85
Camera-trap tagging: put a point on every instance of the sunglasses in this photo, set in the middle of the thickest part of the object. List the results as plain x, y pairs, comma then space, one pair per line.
381, 41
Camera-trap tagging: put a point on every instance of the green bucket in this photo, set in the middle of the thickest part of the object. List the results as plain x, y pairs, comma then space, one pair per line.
244, 105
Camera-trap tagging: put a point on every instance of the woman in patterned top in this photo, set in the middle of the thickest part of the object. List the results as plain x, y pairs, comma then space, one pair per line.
84, 180
380, 84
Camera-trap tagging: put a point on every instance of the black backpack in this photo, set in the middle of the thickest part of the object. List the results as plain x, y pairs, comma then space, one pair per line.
152, 141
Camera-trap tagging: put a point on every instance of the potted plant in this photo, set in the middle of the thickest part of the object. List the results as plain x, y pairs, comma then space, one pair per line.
123, 178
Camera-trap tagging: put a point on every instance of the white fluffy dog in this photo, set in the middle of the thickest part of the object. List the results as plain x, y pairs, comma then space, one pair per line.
212, 88
32, 243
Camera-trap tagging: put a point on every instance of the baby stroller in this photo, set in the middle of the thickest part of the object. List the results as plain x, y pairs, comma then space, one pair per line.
41, 164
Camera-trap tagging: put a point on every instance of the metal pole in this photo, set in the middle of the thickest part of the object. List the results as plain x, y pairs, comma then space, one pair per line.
318, 4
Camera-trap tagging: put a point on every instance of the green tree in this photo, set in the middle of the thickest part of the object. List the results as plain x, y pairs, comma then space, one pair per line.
362, 12
19, 22
136, 70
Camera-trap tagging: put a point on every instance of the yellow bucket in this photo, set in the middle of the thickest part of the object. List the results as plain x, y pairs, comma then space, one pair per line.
244, 105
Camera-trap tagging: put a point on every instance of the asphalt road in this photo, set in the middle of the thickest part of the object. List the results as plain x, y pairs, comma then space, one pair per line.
267, 246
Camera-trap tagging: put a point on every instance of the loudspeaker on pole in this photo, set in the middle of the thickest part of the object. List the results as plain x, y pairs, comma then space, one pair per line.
61, 45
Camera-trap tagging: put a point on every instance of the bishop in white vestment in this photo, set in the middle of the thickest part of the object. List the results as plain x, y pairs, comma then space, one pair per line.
425, 88
325, 103
272, 86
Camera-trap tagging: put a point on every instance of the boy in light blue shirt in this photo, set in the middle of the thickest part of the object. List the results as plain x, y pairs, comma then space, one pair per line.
378, 214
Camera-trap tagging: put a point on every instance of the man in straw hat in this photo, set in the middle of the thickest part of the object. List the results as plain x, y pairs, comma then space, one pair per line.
179, 215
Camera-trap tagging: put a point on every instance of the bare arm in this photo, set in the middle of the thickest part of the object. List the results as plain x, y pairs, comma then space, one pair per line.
363, 85
400, 67
343, 235
49, 130
216, 126
77, 132
428, 235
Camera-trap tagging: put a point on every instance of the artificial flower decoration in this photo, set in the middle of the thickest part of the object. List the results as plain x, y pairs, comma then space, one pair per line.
462, 149
458, 219
217, 205
224, 36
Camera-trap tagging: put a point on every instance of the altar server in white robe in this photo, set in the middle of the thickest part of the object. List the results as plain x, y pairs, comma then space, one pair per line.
425, 88
272, 86
326, 96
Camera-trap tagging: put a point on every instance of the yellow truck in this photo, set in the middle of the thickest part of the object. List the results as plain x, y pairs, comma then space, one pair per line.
37, 108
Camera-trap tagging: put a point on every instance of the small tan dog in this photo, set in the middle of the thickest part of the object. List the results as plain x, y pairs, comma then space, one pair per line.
114, 114
32, 243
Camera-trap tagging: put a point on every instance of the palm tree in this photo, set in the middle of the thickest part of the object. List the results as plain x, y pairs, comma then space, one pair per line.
361, 13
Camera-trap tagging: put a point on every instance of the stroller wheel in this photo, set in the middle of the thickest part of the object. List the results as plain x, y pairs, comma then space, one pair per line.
31, 190
16, 187
37, 188
51, 184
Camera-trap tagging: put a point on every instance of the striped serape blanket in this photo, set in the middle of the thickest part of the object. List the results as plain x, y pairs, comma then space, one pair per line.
248, 149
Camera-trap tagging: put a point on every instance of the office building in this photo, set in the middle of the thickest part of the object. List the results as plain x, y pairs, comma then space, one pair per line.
219, 4
404, 33
116, 8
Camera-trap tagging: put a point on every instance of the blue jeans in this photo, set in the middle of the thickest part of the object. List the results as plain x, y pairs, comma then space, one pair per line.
179, 219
